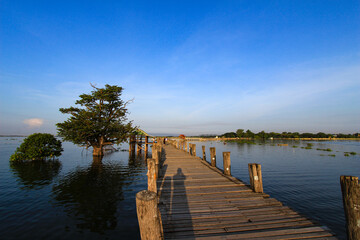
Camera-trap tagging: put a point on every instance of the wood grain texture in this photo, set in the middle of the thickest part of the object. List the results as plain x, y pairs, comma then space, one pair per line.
199, 201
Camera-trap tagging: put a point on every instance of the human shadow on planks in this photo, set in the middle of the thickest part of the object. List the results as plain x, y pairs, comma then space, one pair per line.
176, 217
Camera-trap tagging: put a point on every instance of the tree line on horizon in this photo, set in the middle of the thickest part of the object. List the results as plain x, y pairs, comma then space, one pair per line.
241, 133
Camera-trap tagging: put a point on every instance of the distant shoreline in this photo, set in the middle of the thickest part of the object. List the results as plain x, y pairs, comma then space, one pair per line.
296, 139
13, 135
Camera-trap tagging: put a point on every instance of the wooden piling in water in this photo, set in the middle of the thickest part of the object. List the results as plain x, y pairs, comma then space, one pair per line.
140, 143
255, 177
151, 174
213, 156
351, 199
148, 215
227, 163
203, 152
146, 144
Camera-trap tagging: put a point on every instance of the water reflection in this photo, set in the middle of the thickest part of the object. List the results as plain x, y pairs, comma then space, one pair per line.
91, 195
35, 174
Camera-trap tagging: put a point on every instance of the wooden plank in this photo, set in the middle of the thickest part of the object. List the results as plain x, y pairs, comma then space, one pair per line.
197, 201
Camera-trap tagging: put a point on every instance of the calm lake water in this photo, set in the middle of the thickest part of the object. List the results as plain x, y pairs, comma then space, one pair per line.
77, 198
73, 198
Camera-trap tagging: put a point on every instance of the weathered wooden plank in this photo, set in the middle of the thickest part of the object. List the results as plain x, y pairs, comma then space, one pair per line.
197, 201
298, 233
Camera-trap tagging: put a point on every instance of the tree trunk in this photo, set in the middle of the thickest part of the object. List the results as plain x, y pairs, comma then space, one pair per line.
98, 151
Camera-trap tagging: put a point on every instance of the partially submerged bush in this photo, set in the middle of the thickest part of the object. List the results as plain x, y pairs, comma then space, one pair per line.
38, 146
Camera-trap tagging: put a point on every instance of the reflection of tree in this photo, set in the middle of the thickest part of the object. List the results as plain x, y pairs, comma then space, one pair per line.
36, 174
91, 195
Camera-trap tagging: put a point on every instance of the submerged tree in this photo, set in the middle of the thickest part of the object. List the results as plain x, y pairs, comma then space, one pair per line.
38, 146
101, 121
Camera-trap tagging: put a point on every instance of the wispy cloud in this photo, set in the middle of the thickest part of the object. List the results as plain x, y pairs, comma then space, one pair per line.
34, 122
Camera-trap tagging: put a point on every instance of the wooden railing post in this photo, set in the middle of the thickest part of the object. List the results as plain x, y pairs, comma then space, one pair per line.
213, 156
255, 177
227, 163
203, 152
148, 215
193, 149
151, 174
351, 199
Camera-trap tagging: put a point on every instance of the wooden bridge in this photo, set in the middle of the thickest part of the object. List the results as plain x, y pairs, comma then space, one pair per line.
198, 201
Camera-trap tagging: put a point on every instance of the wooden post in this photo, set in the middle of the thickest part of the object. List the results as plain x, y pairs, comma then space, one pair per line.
146, 144
153, 151
186, 146
194, 150
148, 215
151, 174
139, 144
351, 199
255, 177
132, 145
158, 157
130, 149
227, 163
213, 156
203, 151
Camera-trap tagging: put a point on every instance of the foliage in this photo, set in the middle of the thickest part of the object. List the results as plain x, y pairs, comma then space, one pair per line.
240, 133
101, 120
229, 135
38, 146
241, 141
264, 135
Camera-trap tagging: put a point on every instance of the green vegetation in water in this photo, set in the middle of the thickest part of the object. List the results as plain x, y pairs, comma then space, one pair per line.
353, 153
241, 141
346, 154
308, 146
295, 146
38, 146
332, 155
325, 149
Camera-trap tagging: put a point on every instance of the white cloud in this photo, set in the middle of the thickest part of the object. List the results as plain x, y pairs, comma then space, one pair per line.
34, 122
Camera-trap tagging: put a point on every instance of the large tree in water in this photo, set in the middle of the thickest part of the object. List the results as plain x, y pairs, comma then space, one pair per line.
101, 120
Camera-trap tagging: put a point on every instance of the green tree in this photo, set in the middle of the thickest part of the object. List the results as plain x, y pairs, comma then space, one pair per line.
101, 120
249, 134
38, 146
263, 135
240, 133
229, 135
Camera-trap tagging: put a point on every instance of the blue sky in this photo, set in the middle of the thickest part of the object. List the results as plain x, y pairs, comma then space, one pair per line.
192, 67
